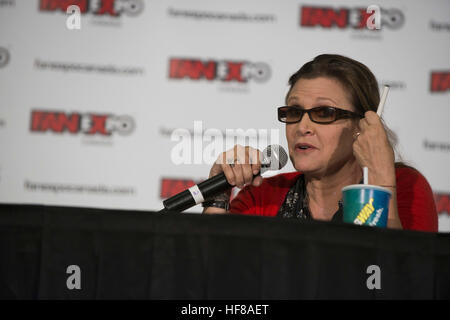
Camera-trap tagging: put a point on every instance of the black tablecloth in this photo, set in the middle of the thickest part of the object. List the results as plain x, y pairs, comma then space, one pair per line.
146, 255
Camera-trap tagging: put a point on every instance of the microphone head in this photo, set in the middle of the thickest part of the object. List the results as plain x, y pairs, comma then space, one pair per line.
274, 158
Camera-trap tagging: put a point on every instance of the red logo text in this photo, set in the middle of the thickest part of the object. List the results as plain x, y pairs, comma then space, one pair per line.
440, 81
227, 71
442, 201
89, 123
326, 17
98, 7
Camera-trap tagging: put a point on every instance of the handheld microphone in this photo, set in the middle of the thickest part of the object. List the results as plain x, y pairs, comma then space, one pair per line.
274, 158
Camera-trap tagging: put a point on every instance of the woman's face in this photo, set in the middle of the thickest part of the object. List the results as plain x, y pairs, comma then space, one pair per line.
330, 145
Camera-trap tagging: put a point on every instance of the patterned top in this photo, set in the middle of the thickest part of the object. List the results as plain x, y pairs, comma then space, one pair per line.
296, 203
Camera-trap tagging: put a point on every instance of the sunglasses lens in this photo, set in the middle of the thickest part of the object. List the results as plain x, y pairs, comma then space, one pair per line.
293, 114
323, 114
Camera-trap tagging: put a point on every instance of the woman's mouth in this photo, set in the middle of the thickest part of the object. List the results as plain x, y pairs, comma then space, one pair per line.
304, 148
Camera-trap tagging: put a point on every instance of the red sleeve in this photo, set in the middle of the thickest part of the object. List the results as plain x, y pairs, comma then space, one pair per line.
266, 199
415, 201
244, 202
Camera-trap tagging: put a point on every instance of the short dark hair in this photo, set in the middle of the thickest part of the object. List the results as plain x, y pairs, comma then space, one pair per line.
354, 76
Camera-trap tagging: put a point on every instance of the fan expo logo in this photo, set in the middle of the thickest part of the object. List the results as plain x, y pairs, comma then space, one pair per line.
356, 18
225, 70
86, 123
113, 8
440, 81
442, 201
172, 186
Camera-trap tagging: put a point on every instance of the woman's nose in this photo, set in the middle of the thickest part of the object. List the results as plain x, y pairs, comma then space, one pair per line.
305, 125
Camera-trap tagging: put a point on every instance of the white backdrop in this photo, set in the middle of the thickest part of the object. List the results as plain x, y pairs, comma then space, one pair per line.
86, 116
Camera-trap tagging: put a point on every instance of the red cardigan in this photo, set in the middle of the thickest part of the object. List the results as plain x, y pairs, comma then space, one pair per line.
415, 202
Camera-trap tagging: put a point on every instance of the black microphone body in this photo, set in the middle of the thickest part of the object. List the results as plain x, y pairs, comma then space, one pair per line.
209, 188
275, 158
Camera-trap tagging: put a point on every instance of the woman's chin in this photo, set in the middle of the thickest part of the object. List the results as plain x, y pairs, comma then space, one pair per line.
304, 168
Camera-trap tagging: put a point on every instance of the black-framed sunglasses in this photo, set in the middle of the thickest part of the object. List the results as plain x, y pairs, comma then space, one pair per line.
322, 115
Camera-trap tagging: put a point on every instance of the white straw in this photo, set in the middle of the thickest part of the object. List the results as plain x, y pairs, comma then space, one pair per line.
382, 101
379, 112
365, 175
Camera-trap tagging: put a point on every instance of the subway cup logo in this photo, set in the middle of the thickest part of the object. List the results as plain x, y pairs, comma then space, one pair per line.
368, 213
366, 205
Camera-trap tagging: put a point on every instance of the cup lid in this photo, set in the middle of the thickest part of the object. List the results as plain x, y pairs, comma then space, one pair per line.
366, 186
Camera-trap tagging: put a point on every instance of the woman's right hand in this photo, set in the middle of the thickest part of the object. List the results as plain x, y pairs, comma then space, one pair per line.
239, 165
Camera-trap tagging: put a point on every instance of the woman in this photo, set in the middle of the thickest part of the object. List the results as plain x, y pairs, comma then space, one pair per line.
332, 131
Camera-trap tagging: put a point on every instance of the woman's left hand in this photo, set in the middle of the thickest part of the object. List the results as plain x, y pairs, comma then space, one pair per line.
373, 150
